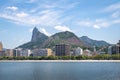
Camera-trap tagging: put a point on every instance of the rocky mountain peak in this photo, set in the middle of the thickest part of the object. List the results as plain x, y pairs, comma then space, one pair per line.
37, 35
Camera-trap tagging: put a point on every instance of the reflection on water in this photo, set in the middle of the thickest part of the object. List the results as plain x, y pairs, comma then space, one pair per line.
59, 71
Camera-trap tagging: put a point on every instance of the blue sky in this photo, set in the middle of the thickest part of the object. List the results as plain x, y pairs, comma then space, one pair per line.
97, 19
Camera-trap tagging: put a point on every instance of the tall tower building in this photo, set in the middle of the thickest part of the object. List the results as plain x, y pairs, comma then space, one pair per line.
1, 46
62, 50
94, 50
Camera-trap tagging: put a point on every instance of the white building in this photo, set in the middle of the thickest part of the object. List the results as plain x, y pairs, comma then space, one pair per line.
110, 50
25, 52
21, 52
17, 52
78, 51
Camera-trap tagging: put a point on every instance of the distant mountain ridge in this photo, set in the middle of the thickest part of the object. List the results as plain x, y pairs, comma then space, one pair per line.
40, 40
92, 42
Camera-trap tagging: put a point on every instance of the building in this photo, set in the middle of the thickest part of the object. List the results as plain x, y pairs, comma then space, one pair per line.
1, 46
118, 47
110, 49
9, 52
62, 50
25, 52
87, 52
2, 53
118, 43
21, 52
49, 52
78, 51
115, 49
17, 52
42, 52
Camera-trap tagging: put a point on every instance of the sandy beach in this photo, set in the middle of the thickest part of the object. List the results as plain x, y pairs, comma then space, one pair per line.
59, 60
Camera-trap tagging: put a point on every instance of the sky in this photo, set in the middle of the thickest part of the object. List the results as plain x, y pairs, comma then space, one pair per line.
97, 19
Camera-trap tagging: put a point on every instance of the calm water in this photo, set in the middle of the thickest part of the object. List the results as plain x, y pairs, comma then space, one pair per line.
59, 71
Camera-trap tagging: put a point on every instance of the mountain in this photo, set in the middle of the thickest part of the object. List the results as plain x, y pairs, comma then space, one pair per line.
92, 42
37, 40
40, 40
64, 38
37, 35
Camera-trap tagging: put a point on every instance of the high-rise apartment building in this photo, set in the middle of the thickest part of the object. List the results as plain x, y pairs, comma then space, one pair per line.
62, 50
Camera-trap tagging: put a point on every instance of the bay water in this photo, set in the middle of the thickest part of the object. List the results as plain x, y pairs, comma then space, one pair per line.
59, 71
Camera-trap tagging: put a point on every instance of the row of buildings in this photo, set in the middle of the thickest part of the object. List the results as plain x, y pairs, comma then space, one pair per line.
14, 52
24, 52
60, 50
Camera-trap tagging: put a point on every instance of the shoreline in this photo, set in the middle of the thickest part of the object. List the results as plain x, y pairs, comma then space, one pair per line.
59, 60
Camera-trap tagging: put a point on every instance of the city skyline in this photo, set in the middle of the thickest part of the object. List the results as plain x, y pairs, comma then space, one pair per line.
99, 20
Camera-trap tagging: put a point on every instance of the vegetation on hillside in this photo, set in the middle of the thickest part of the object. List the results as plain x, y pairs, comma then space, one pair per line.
91, 42
65, 35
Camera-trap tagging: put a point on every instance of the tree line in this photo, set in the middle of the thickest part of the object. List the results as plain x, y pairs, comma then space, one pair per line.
81, 57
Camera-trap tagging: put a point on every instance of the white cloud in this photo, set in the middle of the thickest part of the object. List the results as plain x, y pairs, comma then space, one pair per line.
117, 21
30, 30
85, 23
116, 14
113, 10
17, 18
45, 32
49, 6
31, 1
43, 14
60, 4
62, 28
21, 15
112, 7
114, 18
96, 26
12, 8
98, 23
44, 18
3, 31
